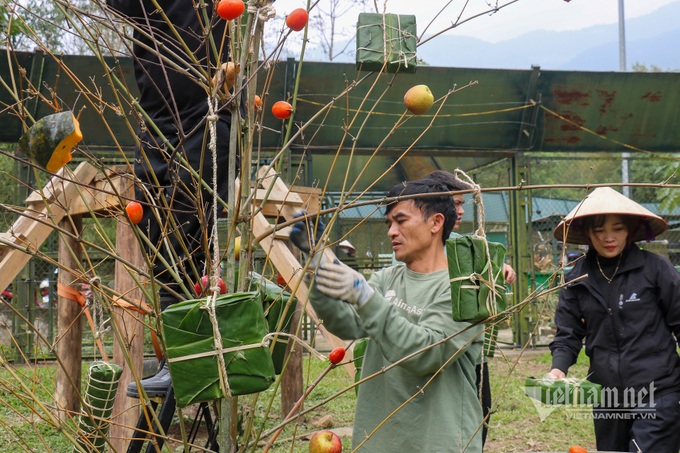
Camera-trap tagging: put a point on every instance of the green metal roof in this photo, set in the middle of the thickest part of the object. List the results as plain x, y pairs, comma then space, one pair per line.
500, 113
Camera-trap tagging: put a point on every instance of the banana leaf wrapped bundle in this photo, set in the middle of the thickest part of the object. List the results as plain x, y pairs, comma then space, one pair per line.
476, 272
563, 392
193, 358
278, 310
386, 38
100, 392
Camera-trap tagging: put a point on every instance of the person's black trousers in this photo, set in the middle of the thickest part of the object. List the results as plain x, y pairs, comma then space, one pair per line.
181, 232
484, 389
654, 427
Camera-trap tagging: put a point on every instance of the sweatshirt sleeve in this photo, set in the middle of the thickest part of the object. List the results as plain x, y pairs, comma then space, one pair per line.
428, 339
398, 337
568, 340
339, 317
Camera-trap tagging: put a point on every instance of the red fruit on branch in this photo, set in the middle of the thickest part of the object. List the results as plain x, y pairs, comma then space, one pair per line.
337, 355
201, 286
297, 19
282, 110
230, 9
134, 211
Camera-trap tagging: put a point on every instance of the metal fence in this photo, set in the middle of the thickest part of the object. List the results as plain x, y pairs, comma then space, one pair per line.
557, 183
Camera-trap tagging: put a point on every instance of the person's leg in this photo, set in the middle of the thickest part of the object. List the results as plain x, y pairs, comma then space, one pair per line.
186, 219
612, 433
657, 429
180, 225
484, 389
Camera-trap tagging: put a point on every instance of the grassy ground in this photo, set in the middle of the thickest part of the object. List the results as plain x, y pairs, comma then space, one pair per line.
515, 425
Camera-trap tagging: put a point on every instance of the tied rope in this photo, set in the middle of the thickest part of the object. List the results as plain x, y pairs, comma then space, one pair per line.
220, 351
400, 37
263, 13
210, 305
490, 281
97, 310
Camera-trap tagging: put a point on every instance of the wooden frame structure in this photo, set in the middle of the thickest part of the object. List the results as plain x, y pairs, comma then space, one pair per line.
68, 196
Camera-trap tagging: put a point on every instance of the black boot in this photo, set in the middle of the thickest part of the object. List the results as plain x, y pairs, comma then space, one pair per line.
154, 386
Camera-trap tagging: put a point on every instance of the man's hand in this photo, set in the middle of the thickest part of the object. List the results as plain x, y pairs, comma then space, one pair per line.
509, 274
340, 281
301, 234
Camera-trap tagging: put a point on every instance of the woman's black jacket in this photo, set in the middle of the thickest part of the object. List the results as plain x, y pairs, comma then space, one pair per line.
630, 338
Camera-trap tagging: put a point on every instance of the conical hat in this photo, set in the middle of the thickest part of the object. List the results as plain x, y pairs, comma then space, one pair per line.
605, 200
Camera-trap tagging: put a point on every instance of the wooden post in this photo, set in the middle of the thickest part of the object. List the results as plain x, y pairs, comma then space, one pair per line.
131, 325
69, 326
291, 379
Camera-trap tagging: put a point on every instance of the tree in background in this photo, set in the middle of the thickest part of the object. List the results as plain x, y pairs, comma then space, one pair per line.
325, 22
44, 24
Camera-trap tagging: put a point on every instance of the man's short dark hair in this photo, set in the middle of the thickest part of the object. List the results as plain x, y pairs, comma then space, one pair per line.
449, 179
437, 181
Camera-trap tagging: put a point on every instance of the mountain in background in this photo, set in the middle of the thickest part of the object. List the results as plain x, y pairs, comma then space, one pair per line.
651, 41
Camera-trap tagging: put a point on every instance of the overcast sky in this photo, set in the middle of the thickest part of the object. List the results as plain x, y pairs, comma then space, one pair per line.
511, 21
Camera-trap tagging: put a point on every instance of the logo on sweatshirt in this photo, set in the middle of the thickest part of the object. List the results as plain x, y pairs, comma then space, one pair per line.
391, 296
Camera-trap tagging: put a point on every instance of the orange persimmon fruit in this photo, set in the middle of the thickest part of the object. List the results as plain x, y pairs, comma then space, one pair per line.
297, 19
230, 9
134, 211
577, 449
282, 110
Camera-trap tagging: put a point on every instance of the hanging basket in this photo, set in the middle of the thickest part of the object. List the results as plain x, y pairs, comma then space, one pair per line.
193, 357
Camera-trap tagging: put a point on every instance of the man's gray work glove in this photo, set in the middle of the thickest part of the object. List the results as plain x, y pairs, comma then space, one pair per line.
302, 237
340, 281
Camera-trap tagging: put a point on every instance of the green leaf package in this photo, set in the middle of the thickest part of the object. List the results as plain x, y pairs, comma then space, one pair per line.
386, 38
477, 289
563, 392
278, 310
192, 356
100, 392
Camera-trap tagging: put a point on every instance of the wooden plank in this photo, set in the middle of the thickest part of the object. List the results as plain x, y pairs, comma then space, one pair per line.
69, 330
55, 189
36, 223
128, 349
104, 195
302, 198
283, 233
278, 197
268, 179
291, 270
311, 197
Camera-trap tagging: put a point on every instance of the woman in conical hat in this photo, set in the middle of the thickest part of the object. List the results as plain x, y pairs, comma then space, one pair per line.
627, 308
605, 200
